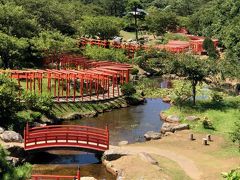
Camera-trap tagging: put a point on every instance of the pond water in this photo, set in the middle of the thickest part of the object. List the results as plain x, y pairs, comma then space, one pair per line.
124, 124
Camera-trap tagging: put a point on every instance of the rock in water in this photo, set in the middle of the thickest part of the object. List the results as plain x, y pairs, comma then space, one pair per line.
122, 143
11, 136
152, 135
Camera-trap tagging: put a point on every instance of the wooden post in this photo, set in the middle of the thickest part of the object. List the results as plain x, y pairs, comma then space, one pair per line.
204, 141
209, 138
191, 137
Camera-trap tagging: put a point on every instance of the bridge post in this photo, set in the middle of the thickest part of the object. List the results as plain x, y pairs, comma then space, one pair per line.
78, 173
107, 130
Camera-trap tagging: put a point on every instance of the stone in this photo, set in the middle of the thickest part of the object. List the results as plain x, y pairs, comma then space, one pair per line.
1, 130
167, 127
88, 178
122, 143
168, 133
163, 116
152, 135
90, 114
148, 158
173, 119
13, 160
114, 154
11, 136
72, 116
192, 118
166, 99
181, 127
16, 150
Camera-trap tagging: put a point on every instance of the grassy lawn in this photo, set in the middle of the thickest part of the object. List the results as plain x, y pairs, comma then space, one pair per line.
222, 115
127, 35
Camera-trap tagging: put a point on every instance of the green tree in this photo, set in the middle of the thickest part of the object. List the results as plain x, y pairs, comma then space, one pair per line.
235, 134
208, 45
9, 103
9, 172
102, 26
12, 50
194, 69
16, 21
161, 21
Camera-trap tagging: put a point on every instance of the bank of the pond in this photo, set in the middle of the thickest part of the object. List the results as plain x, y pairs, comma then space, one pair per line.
78, 110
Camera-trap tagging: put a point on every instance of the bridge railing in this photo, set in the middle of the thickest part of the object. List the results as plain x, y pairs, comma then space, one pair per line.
66, 136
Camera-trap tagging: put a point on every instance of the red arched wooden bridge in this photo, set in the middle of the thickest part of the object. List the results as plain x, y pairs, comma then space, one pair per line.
62, 136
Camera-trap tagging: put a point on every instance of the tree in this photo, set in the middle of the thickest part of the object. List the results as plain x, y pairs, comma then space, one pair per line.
12, 50
135, 9
235, 135
102, 26
9, 172
194, 69
16, 21
9, 103
208, 45
161, 21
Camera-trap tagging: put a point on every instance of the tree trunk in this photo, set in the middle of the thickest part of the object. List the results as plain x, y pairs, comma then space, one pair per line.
194, 84
136, 25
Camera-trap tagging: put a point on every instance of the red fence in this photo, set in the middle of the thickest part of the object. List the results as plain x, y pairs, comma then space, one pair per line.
66, 136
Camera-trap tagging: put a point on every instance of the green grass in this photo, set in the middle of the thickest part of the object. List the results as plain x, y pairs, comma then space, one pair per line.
127, 35
222, 115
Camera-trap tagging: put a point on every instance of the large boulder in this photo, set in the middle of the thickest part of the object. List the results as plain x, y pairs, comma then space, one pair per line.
151, 135
173, 119
167, 127
114, 154
181, 127
13, 160
1, 130
163, 116
11, 136
192, 118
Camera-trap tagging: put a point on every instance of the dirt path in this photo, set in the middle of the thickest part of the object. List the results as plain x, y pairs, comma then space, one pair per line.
185, 163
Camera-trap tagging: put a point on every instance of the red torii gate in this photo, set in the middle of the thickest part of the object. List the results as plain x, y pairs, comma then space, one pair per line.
63, 83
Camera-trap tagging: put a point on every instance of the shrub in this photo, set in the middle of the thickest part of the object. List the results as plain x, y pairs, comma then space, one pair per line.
99, 53
41, 103
208, 45
134, 71
234, 174
207, 124
128, 89
217, 98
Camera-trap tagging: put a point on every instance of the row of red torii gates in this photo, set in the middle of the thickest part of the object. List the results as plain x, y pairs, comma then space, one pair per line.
87, 79
195, 44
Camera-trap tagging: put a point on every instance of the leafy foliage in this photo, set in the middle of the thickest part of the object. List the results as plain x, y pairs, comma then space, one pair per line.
208, 45
128, 89
161, 21
9, 104
101, 26
234, 174
235, 134
9, 172
98, 53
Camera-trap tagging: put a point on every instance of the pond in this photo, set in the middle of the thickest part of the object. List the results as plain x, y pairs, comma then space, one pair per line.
124, 124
